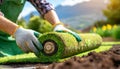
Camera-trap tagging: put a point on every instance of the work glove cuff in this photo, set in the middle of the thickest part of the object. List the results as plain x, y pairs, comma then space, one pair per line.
61, 28
18, 30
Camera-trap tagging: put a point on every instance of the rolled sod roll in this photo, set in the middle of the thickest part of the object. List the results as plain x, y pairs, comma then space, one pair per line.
61, 45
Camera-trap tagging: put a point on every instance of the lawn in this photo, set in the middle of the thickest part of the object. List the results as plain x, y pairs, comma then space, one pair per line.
31, 58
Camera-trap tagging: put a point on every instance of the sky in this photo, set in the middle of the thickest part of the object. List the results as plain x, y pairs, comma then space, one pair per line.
73, 2
29, 8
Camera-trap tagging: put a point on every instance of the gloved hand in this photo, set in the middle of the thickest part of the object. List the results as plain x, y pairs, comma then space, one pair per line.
27, 41
61, 28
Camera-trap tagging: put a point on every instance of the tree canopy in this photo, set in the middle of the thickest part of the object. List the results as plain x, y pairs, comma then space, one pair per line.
112, 12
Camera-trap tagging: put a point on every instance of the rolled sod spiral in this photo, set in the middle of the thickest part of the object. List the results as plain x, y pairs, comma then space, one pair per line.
61, 45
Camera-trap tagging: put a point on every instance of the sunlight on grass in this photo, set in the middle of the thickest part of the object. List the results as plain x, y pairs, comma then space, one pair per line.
100, 49
109, 43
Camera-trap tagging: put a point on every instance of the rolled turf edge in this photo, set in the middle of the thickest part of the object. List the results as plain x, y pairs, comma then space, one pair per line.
67, 45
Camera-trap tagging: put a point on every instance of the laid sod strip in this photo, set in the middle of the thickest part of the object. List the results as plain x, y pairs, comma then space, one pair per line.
110, 43
99, 49
66, 45
31, 58
25, 58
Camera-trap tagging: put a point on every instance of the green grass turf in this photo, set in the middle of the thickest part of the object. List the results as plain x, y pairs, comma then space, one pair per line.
110, 43
31, 58
104, 47
67, 44
99, 49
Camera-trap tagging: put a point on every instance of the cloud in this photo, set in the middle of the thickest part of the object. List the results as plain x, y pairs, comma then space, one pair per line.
106, 1
73, 2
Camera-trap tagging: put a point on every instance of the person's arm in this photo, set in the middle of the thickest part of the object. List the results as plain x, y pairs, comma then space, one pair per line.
52, 17
7, 26
25, 38
46, 10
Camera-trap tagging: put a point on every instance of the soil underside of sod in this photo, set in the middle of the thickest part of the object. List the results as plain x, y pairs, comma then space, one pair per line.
104, 60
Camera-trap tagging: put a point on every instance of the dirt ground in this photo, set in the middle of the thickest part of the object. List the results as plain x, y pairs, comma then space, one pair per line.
104, 60
109, 39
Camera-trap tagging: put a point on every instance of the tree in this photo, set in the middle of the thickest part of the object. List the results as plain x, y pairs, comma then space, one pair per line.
39, 24
112, 12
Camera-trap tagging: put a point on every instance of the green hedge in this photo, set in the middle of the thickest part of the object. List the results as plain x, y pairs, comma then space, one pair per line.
67, 45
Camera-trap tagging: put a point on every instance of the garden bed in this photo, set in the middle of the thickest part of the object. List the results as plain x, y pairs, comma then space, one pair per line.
104, 60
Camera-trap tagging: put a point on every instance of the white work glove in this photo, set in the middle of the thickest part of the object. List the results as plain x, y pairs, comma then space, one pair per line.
27, 41
61, 28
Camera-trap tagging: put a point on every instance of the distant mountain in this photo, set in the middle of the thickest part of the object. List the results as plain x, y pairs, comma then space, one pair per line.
80, 15
92, 7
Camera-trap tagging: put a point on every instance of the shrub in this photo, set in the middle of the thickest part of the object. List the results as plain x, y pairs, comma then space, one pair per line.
107, 31
38, 24
100, 23
116, 33
104, 31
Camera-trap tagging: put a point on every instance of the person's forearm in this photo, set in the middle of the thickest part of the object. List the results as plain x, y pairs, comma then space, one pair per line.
52, 17
7, 25
46, 10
